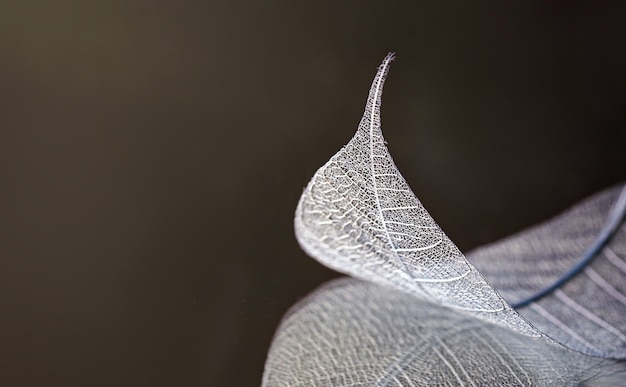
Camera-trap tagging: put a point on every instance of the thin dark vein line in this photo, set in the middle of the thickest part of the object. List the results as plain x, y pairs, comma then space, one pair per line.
616, 217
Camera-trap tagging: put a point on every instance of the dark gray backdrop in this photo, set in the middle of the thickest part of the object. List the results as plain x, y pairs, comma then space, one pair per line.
152, 154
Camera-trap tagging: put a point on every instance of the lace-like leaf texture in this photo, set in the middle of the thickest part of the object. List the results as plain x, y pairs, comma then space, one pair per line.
359, 216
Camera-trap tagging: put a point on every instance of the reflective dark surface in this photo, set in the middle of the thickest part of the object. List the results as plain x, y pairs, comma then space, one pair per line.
152, 155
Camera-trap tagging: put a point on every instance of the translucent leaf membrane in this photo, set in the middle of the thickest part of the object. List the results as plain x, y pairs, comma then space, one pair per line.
587, 313
355, 333
359, 216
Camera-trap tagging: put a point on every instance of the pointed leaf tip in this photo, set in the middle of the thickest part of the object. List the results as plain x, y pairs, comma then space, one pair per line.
390, 57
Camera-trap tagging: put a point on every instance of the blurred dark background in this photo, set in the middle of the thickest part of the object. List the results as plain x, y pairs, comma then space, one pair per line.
152, 154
